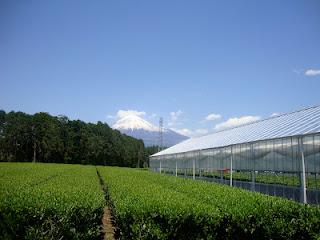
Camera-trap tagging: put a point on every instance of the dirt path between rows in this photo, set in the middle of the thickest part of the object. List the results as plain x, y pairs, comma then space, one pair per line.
107, 226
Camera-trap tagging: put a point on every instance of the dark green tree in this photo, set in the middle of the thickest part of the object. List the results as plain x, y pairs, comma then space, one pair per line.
45, 138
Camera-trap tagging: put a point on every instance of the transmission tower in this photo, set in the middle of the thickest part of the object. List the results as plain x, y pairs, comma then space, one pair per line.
160, 145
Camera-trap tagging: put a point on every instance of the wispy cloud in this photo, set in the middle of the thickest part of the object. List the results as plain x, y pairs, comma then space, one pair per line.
111, 117
312, 72
212, 117
200, 132
297, 71
174, 116
191, 133
184, 131
274, 114
234, 122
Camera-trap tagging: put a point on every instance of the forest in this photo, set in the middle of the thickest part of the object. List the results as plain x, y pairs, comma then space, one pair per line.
44, 138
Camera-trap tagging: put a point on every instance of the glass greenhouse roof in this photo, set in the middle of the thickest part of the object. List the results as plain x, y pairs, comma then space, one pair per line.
302, 122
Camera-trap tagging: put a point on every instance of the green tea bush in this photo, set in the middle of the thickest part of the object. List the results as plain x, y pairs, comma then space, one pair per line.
151, 206
49, 201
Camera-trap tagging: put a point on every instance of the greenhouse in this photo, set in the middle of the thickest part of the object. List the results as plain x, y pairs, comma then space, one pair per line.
277, 156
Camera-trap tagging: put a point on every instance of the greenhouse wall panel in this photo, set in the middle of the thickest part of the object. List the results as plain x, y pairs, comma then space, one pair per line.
277, 156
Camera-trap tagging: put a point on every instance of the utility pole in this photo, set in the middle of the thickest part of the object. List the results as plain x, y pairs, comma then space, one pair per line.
160, 146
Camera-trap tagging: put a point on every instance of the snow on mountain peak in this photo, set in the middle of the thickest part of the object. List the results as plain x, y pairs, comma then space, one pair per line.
131, 122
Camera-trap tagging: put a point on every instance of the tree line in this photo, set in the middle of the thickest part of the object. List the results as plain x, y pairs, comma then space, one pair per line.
57, 139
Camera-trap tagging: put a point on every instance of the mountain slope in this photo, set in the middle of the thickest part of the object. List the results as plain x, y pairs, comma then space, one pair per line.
139, 128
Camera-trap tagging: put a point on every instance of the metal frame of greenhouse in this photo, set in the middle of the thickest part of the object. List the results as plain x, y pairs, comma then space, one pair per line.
276, 156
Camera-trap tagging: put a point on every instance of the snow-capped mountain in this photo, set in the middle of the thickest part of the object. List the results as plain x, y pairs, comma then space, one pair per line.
139, 128
133, 122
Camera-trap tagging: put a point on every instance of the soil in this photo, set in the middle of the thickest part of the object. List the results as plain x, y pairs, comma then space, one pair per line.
107, 226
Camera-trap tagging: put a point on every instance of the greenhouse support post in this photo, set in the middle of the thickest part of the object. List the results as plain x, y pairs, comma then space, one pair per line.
303, 173
253, 172
176, 168
231, 160
160, 167
253, 180
194, 168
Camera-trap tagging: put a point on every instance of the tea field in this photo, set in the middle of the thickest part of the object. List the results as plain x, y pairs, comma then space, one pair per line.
59, 201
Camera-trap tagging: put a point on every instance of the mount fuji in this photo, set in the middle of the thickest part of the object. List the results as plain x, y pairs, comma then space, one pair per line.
135, 126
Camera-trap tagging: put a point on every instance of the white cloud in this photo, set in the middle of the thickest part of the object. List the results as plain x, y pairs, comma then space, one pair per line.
212, 117
190, 133
110, 117
274, 114
125, 113
174, 118
201, 132
234, 122
312, 72
153, 115
184, 131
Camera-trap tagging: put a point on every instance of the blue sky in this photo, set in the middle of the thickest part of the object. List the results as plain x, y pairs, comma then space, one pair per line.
181, 60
